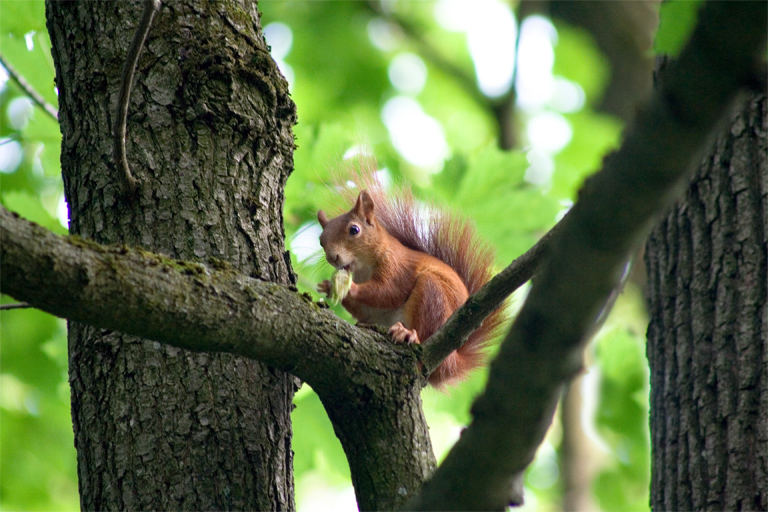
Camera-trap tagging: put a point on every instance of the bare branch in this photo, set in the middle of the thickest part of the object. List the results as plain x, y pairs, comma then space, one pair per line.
129, 70
467, 318
15, 305
29, 90
616, 207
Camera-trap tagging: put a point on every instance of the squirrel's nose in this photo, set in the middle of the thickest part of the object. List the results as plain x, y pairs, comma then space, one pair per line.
332, 258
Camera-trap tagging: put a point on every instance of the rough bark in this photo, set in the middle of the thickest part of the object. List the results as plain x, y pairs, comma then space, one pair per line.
386, 440
707, 265
209, 140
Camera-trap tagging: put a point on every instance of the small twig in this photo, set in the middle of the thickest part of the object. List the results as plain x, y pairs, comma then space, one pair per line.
29, 90
15, 305
467, 318
129, 70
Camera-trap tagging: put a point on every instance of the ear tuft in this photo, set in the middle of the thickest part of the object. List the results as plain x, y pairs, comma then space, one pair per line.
364, 207
322, 218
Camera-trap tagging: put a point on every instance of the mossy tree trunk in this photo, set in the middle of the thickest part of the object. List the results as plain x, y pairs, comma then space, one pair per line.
707, 265
210, 142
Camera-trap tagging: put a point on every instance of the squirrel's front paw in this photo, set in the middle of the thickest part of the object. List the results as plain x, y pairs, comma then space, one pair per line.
324, 287
401, 334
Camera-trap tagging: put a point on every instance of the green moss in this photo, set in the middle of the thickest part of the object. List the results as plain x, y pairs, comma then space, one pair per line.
219, 264
192, 269
236, 13
253, 294
149, 255
381, 329
84, 243
201, 272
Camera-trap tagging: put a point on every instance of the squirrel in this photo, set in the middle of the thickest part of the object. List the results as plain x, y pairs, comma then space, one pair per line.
411, 269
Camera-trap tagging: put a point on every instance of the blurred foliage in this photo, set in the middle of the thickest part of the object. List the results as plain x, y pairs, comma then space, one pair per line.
339, 58
678, 17
37, 455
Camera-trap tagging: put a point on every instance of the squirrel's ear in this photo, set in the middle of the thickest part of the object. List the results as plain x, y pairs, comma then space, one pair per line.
322, 218
364, 206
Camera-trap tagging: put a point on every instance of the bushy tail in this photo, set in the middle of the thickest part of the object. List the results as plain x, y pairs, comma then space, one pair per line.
453, 240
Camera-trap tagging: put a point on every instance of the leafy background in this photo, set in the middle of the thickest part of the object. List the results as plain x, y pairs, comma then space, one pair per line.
356, 77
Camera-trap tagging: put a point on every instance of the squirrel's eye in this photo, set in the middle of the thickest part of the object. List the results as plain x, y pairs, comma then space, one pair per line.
354, 229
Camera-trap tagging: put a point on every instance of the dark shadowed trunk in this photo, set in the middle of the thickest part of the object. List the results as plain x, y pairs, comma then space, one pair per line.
210, 142
708, 337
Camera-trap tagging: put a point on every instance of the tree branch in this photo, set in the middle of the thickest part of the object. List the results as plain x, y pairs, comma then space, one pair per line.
369, 385
623, 31
129, 70
29, 90
15, 305
616, 207
188, 305
467, 318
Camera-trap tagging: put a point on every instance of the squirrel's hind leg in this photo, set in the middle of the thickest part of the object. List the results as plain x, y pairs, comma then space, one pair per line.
425, 311
401, 334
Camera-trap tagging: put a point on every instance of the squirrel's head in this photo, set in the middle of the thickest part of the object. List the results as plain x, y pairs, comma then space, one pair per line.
350, 240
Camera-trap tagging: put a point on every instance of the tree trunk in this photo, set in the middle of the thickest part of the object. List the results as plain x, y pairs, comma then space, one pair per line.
210, 143
708, 335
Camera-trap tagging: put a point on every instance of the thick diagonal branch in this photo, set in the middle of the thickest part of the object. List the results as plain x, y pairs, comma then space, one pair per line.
362, 378
189, 305
543, 350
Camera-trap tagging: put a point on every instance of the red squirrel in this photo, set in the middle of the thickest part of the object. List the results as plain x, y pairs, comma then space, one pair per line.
411, 270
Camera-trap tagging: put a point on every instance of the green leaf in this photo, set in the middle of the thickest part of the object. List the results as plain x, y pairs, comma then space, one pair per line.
578, 59
677, 19
37, 456
314, 443
622, 421
22, 16
32, 208
594, 135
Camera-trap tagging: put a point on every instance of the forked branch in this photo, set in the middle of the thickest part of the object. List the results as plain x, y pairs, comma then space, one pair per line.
615, 210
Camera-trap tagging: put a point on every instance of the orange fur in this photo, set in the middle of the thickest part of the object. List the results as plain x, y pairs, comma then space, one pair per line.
410, 272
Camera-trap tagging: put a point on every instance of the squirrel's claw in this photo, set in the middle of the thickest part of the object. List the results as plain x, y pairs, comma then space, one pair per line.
401, 334
324, 287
